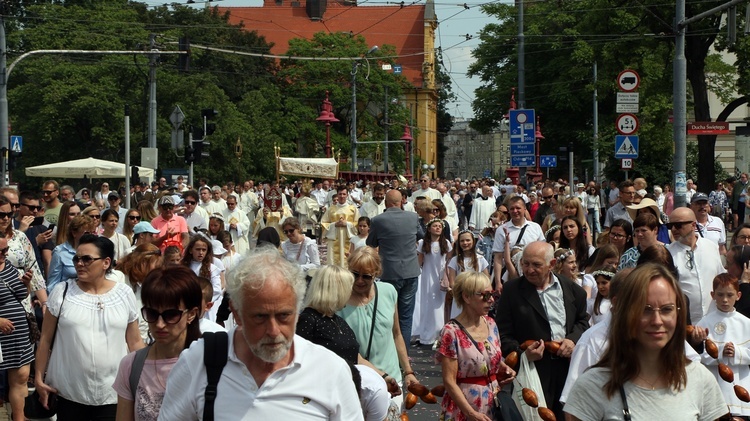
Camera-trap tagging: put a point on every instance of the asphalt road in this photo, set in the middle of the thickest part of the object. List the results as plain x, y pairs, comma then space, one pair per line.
428, 374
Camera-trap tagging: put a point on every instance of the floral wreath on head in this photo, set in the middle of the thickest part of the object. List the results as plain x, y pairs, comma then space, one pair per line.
432, 221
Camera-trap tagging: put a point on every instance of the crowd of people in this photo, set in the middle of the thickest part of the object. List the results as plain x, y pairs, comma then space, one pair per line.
233, 301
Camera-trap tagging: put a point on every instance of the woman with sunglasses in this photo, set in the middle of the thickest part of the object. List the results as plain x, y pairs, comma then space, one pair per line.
84, 197
61, 268
110, 222
95, 324
135, 267
94, 213
171, 306
299, 247
21, 254
468, 350
645, 366
132, 217
380, 340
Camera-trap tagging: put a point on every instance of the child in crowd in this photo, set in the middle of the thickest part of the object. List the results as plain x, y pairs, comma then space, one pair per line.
432, 252
598, 306
567, 266
207, 289
363, 230
487, 236
466, 259
172, 255
730, 331
199, 257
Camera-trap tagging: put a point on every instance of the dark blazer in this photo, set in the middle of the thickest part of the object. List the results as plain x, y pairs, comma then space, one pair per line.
394, 232
520, 316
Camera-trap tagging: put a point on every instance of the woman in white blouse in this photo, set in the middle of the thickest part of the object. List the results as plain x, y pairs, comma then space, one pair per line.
298, 247
98, 325
110, 221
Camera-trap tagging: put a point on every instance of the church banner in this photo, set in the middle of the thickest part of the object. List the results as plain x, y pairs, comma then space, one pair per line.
309, 167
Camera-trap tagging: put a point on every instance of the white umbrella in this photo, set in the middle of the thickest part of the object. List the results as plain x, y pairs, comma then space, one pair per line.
88, 167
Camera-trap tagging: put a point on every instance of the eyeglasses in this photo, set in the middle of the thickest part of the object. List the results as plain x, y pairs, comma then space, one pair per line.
97, 216
85, 260
486, 295
548, 197
48, 192
231, 204
15, 205
690, 262
5, 250
364, 276
4, 215
111, 199
170, 317
190, 202
677, 225
743, 237
616, 236
290, 231
167, 207
85, 193
32, 207
666, 312
134, 217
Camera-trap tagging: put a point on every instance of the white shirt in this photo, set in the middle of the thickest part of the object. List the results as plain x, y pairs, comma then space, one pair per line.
371, 209
697, 283
374, 398
450, 209
320, 195
533, 233
209, 326
429, 193
294, 392
480, 213
713, 230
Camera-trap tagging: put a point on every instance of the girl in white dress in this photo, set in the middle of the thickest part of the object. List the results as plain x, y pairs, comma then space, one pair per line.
363, 230
466, 259
598, 305
432, 252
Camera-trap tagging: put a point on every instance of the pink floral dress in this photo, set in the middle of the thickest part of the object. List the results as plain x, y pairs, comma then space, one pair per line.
454, 343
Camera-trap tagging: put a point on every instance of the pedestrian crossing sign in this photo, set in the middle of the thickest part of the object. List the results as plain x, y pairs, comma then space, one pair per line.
16, 144
626, 146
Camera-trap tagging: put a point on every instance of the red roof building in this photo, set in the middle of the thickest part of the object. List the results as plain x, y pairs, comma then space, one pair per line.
410, 28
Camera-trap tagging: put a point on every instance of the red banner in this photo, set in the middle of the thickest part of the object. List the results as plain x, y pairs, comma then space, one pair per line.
708, 127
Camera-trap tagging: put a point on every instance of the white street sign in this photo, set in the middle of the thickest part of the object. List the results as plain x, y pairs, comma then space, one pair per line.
628, 80
626, 164
626, 108
627, 97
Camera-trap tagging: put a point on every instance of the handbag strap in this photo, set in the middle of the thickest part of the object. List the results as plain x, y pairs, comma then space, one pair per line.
520, 236
57, 321
457, 323
12, 294
372, 325
625, 409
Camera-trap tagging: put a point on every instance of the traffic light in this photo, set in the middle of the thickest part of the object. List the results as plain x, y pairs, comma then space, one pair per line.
189, 154
14, 159
209, 114
197, 151
135, 178
183, 63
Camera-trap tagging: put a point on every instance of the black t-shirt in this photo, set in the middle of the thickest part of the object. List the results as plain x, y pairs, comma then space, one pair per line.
330, 332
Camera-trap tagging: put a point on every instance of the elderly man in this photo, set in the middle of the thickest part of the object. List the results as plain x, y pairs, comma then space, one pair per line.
484, 206
708, 226
236, 222
425, 190
541, 306
249, 200
376, 205
390, 233
270, 372
696, 258
173, 230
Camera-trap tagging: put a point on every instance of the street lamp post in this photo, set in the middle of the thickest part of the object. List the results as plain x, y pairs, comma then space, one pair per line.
428, 169
406, 137
538, 136
326, 116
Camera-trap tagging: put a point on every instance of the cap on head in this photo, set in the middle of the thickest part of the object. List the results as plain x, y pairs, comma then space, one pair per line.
144, 226
698, 197
166, 200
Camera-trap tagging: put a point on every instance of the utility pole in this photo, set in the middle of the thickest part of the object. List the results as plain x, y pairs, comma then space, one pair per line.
521, 59
152, 94
596, 128
3, 100
387, 127
354, 116
127, 157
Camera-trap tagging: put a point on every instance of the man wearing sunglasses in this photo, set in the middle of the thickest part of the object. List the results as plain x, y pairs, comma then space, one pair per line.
270, 373
194, 215
172, 228
52, 205
548, 206
425, 190
696, 259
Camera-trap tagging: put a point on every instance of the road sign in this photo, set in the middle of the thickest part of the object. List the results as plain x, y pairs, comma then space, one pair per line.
628, 97
626, 164
626, 146
177, 117
386, 66
16, 143
487, 173
548, 161
627, 124
522, 161
397, 69
522, 126
628, 80
626, 108
522, 149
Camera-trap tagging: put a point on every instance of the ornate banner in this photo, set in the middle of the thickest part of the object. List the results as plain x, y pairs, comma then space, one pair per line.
309, 167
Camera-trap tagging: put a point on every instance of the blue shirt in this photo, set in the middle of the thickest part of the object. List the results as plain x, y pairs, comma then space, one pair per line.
61, 268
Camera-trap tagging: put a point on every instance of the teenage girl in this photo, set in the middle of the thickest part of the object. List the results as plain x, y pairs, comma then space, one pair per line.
198, 257
466, 259
432, 252
363, 230
598, 307
172, 255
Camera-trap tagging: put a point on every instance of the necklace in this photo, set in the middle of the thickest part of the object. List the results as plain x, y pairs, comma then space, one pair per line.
156, 369
651, 385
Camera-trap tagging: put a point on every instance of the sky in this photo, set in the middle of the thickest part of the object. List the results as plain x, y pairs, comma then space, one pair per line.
455, 23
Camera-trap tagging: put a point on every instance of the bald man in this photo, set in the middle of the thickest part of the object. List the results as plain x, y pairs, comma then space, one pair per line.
697, 260
394, 232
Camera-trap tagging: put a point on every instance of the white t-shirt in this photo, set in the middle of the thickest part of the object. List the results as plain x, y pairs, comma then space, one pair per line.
209, 326
701, 398
374, 396
294, 392
90, 341
532, 233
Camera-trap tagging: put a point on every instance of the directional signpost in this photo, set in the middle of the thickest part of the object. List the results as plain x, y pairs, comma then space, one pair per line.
522, 141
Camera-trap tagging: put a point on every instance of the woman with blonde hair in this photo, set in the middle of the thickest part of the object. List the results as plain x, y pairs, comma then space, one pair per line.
61, 266
572, 207
68, 211
147, 210
469, 352
94, 213
132, 217
644, 371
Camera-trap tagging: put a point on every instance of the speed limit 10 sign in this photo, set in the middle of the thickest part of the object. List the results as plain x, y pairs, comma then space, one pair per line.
626, 163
